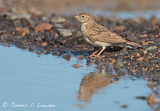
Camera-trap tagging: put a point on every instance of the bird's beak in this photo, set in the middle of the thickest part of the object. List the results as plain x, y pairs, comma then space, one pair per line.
76, 17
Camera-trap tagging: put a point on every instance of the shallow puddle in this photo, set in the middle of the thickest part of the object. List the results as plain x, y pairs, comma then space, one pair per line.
118, 14
30, 82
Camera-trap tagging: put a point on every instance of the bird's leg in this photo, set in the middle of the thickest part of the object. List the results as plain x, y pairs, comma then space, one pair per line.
103, 48
93, 54
98, 55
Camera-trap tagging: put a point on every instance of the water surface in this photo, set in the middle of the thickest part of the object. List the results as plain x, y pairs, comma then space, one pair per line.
30, 82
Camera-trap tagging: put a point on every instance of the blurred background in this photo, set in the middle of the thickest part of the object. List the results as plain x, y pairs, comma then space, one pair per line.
67, 7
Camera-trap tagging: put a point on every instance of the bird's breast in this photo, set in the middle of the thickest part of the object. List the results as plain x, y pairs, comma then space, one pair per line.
83, 29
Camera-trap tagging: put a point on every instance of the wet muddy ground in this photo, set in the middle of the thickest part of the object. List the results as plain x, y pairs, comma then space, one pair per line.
61, 36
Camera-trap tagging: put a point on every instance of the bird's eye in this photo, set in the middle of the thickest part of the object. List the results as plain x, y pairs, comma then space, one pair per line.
82, 16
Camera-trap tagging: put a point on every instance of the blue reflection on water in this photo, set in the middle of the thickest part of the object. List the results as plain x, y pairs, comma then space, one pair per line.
26, 78
128, 15
118, 14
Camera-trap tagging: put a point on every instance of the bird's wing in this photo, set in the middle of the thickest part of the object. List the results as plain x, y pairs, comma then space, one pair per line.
102, 34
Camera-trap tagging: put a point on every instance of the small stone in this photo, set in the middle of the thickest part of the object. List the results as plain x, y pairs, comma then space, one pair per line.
55, 46
150, 69
6, 45
148, 42
151, 48
137, 54
113, 61
138, 20
19, 16
32, 23
132, 57
151, 100
45, 19
23, 30
13, 17
58, 20
13, 33
156, 35
125, 62
118, 63
78, 34
56, 36
67, 57
24, 16
43, 27
55, 53
58, 26
65, 32
151, 84
76, 66
3, 31
144, 35
124, 106
133, 71
81, 57
140, 59
44, 44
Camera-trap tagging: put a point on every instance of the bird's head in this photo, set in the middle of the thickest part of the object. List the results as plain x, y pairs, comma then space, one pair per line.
84, 17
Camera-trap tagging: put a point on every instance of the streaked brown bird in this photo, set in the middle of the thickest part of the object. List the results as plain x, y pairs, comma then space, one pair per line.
99, 35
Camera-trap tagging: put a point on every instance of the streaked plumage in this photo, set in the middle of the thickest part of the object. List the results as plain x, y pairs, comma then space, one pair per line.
99, 35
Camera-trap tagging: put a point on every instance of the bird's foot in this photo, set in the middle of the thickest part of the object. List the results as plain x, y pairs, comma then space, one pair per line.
95, 56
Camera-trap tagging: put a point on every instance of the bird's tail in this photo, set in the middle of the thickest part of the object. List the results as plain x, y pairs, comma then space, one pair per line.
132, 43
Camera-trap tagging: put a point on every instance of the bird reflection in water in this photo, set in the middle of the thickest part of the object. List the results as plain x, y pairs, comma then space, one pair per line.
93, 82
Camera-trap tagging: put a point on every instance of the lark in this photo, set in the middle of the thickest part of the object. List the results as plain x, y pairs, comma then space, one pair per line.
99, 35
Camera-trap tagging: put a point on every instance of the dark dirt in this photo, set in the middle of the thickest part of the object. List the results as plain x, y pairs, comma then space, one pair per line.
65, 38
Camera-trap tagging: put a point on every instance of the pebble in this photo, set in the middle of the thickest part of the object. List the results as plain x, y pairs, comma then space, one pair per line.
144, 35
151, 48
58, 26
42, 27
124, 106
65, 32
78, 33
58, 19
118, 63
67, 57
151, 100
45, 19
38, 38
140, 59
56, 36
76, 66
20, 16
148, 42
43, 44
23, 30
